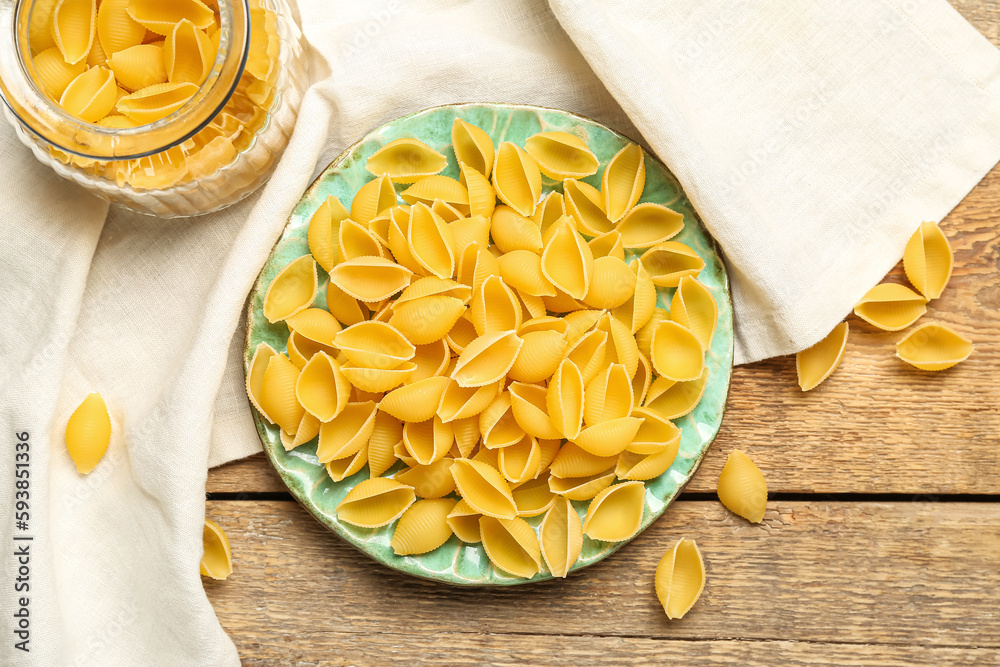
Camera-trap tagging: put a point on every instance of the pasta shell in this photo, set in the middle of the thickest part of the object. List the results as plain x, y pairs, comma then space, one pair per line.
549, 210
415, 402
399, 242
585, 203
671, 399
430, 188
375, 502
497, 424
428, 441
531, 306
644, 336
463, 333
656, 432
680, 578
608, 396
431, 359
475, 265
423, 527
534, 497
466, 434
694, 307
353, 241
277, 393
387, 432
472, 146
115, 28
464, 522
377, 379
670, 261
216, 554
469, 231
446, 211
511, 545
373, 199
400, 451
53, 73
561, 537
188, 54
588, 354
561, 155
608, 244
742, 488
315, 324
891, 307
676, 352
609, 438
817, 363
539, 356
615, 514
543, 323
74, 28
40, 35
649, 224
482, 198
522, 270
161, 17
340, 469
307, 431
567, 261
612, 285
96, 56
117, 122
374, 345
580, 322
255, 376
516, 179
928, 260
484, 489
292, 290
90, 96
322, 390
458, 402
487, 359
512, 231
324, 232
573, 461
429, 481
623, 182
370, 279
581, 488
347, 433
154, 103
562, 303
88, 433
302, 349
495, 307
622, 348
429, 242
520, 462
564, 399
428, 319
406, 161
641, 380
933, 347
644, 467
434, 286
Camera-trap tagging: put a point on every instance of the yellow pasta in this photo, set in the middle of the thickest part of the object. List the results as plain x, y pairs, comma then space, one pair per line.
564, 399
608, 244
161, 17
928, 260
307, 430
217, 555
522, 270
642, 379
472, 146
581, 488
433, 480
91, 96
646, 466
742, 488
567, 261
615, 514
277, 393
656, 432
622, 348
585, 204
347, 433
670, 261
539, 356
370, 279
423, 527
512, 231
302, 349
116, 30
680, 578
487, 359
438, 189
561, 537
521, 461
613, 284
321, 389
639, 307
694, 307
497, 424
623, 181
40, 35
315, 324
817, 363
430, 242
494, 307
676, 352
188, 54
464, 522
482, 197
434, 286
387, 432
561, 155
534, 497
54, 74
484, 488
341, 469
324, 232
649, 224
609, 438
292, 290
156, 102
427, 319
933, 347
891, 307
374, 344
417, 401
375, 502
608, 396
74, 28
431, 359
406, 161
458, 402
511, 545
428, 441
572, 461
516, 179
373, 199
644, 336
255, 376
588, 353
88, 433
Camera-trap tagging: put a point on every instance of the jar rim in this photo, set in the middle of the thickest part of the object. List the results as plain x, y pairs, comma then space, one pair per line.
42, 117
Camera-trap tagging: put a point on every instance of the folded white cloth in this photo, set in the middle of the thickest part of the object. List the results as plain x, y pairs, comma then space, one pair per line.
812, 142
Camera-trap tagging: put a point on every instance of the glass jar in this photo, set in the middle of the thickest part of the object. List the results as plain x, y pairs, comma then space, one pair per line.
216, 149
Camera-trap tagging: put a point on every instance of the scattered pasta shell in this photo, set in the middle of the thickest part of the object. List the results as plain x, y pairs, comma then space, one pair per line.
465, 232
464, 522
370, 279
463, 333
292, 290
539, 356
817, 363
933, 347
579, 322
694, 307
573, 461
54, 73
622, 348
891, 307
255, 376
742, 488
377, 379
482, 197
433, 480
139, 66
160, 17
676, 353
91, 96
928, 260
521, 461
655, 433
74, 28
649, 224
549, 210
322, 390
644, 336
513, 231
277, 393
302, 349
324, 231
315, 324
429, 189
635, 312
642, 379
608, 396
561, 537
116, 30
354, 240
387, 431
429, 242
564, 399
427, 319
672, 400
511, 545
534, 497
307, 430
495, 307
188, 54
680, 578
644, 467
516, 179
522, 270
581, 488
586, 204
466, 435
406, 161
216, 556
623, 182
458, 402
609, 438
612, 285
374, 344
417, 401
156, 102
472, 146
497, 424
561, 155
431, 359
475, 265
567, 261
375, 502
347, 433
588, 354
428, 441
434, 286
88, 433
340, 469
615, 514
423, 527
487, 359
484, 489
670, 261
373, 199
608, 244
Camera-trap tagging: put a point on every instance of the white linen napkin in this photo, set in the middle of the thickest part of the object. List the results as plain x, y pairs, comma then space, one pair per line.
147, 312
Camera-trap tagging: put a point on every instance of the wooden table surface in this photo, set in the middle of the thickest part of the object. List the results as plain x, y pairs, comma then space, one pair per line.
881, 543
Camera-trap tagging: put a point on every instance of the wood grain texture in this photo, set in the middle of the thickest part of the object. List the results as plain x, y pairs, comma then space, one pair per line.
890, 574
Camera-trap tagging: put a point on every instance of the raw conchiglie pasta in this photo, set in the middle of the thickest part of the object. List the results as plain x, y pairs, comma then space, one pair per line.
670, 261
742, 488
458, 402
475, 265
373, 199
347, 433
534, 496
374, 344
581, 488
656, 432
816, 364
463, 333
494, 307
561, 155
90, 96
671, 399
370, 279
307, 430
567, 261
433, 480
117, 122
644, 336
641, 380
522, 270
646, 466
539, 356
302, 349
40, 35
512, 231
694, 307
933, 347
315, 324
579, 322
188, 54
427, 319
928, 260
608, 396
434, 286
161, 17
588, 353
429, 189
417, 401
516, 179
156, 102
615, 514
572, 461
511, 545
428, 441
324, 231
648, 224
340, 469
217, 556
680, 578
487, 359
322, 390
635, 312
292, 290
521, 461
466, 435
608, 244
255, 376
74, 28
423, 527
431, 359
387, 431
549, 210
622, 348
430, 242
54, 73
88, 433
354, 240
891, 307
472, 146
623, 181
497, 424
116, 30
484, 489
375, 502
676, 353
586, 205
464, 522
482, 198
613, 283
406, 161
564, 399
609, 438
561, 537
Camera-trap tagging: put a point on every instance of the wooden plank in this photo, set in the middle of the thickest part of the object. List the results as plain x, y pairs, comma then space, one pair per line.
865, 573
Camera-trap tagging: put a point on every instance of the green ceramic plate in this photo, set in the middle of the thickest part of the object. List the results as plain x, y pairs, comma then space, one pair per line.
455, 562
